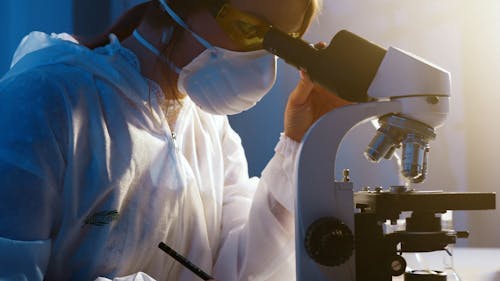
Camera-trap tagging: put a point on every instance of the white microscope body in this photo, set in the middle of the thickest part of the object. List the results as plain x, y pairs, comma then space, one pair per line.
411, 98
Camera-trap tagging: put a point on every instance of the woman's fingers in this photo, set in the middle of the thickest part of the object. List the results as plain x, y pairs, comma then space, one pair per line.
302, 91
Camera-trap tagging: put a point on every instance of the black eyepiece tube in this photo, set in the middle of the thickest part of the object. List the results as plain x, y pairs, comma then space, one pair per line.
294, 51
346, 67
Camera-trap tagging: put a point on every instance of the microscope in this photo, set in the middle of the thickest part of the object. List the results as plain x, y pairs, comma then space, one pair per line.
340, 233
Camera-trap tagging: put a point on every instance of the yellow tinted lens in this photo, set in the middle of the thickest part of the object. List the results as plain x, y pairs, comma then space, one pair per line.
244, 29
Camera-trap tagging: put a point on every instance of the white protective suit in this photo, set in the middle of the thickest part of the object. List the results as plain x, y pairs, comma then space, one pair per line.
92, 179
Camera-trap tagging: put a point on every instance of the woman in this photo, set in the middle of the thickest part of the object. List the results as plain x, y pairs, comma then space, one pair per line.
109, 149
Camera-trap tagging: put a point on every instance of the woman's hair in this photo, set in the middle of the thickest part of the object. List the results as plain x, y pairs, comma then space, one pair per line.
311, 12
153, 14
122, 27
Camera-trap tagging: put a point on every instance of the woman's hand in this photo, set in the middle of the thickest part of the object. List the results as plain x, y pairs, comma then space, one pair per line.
306, 104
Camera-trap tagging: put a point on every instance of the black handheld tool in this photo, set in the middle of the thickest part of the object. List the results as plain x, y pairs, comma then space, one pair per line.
185, 262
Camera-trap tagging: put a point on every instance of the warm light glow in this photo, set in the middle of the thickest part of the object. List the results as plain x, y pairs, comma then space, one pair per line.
462, 37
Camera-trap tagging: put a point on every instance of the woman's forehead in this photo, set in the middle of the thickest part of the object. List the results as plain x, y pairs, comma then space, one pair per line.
286, 15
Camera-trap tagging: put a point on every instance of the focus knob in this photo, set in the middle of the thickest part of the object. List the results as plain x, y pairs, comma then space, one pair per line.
329, 241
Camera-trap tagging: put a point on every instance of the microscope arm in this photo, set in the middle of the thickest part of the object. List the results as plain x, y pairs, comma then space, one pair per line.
318, 195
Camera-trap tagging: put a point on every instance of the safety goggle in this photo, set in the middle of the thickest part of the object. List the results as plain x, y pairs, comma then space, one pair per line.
246, 30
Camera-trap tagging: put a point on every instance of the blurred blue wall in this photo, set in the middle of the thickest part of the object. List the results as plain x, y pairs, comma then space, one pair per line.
19, 17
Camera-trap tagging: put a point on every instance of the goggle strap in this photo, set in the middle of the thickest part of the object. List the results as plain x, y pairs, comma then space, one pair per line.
179, 21
155, 51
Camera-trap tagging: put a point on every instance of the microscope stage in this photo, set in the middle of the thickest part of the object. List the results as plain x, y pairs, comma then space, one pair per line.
389, 205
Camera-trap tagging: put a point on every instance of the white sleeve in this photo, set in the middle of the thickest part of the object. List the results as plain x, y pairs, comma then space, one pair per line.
257, 231
23, 260
32, 165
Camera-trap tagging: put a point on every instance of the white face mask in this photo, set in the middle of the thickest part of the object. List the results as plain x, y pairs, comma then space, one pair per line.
224, 82
221, 81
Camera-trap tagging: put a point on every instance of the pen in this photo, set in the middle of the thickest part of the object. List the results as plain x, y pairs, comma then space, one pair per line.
184, 261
